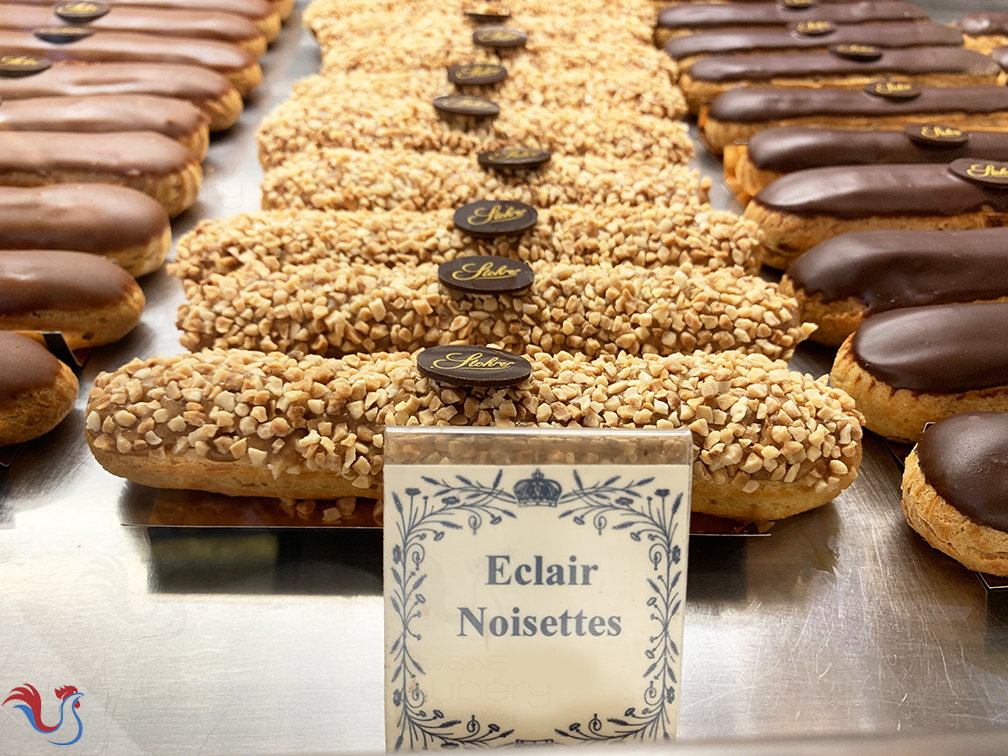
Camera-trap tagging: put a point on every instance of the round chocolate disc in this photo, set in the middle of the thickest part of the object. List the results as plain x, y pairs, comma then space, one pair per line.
799, 4
853, 51
514, 158
477, 367
16, 66
993, 173
500, 37
63, 35
81, 11
813, 28
488, 218
488, 18
466, 105
476, 74
485, 274
893, 90
935, 135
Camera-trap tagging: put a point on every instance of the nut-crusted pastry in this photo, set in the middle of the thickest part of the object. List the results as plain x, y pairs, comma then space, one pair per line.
955, 486
341, 179
984, 31
645, 236
119, 223
847, 278
36, 390
769, 443
151, 163
335, 308
103, 114
91, 300
909, 367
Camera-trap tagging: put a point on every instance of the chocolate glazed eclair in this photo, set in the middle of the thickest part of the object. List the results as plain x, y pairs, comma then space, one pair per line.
36, 390
984, 31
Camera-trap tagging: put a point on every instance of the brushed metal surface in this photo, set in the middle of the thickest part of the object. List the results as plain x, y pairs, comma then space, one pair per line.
196, 641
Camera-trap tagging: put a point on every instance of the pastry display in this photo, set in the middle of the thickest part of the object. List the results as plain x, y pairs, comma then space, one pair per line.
805, 208
908, 367
843, 280
149, 162
984, 31
90, 300
739, 113
36, 390
248, 423
119, 223
955, 486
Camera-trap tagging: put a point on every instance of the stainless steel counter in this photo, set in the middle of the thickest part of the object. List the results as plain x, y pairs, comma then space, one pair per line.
203, 641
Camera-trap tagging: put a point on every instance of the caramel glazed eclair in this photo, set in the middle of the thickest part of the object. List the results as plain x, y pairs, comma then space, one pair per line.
208, 90
805, 208
36, 390
955, 486
738, 114
769, 443
151, 163
114, 221
843, 280
91, 300
648, 237
910, 367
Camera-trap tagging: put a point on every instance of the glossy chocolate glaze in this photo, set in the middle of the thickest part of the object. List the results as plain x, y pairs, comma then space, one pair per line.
913, 61
1000, 56
191, 83
759, 104
82, 217
747, 40
941, 349
46, 155
165, 23
120, 47
965, 459
785, 149
100, 114
33, 280
861, 191
247, 8
885, 270
772, 14
25, 366
984, 23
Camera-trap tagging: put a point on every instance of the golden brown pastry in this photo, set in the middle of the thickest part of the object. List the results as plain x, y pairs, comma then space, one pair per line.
36, 390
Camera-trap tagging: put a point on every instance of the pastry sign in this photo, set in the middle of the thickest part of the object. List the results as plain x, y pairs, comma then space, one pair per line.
63, 35
485, 274
466, 105
81, 11
936, 135
476, 74
988, 172
477, 367
500, 37
16, 66
514, 157
860, 53
814, 28
495, 217
893, 90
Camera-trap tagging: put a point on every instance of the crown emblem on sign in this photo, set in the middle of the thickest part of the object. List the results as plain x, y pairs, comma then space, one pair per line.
537, 491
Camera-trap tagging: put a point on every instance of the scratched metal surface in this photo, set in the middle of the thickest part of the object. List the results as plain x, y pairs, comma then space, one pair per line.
269, 641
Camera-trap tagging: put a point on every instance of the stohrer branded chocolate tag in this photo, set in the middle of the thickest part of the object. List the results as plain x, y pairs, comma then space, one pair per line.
799, 4
81, 11
495, 217
466, 105
893, 90
16, 66
992, 173
476, 74
498, 37
935, 135
514, 158
858, 52
478, 367
814, 28
63, 35
485, 274
488, 18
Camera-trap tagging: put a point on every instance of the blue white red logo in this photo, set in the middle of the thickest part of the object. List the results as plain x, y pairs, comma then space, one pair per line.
69, 728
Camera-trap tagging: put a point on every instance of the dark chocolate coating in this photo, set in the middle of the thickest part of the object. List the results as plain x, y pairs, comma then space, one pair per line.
47, 155
885, 270
759, 104
1000, 56
248, 8
964, 458
772, 14
913, 61
33, 280
785, 149
99, 114
25, 366
83, 217
894, 34
984, 23
861, 191
940, 349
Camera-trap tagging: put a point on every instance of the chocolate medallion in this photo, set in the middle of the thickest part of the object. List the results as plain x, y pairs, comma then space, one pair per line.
81, 11
488, 18
854, 51
488, 218
63, 35
893, 90
478, 367
500, 37
935, 135
485, 274
466, 105
799, 4
476, 74
514, 158
813, 28
993, 173
17, 66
